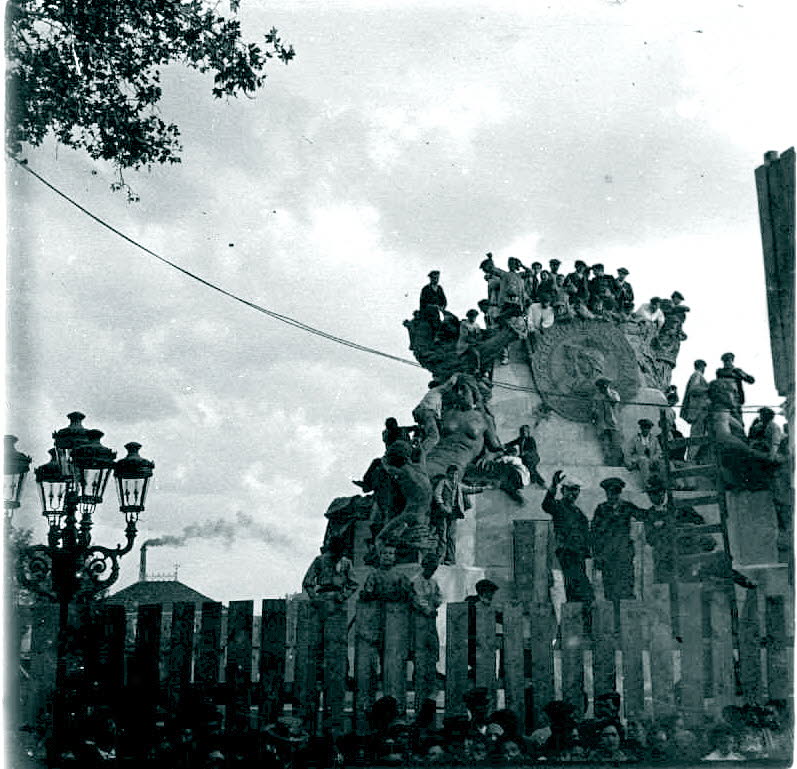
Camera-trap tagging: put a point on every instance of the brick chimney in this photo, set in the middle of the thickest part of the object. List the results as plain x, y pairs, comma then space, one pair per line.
142, 565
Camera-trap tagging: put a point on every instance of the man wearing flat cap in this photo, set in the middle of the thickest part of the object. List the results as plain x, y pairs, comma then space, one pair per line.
730, 371
612, 547
577, 283
623, 293
606, 418
572, 536
644, 454
764, 434
485, 591
433, 301
601, 286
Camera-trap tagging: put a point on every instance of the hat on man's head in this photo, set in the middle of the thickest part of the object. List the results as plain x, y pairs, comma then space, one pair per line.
622, 271
602, 381
580, 263
287, 729
433, 273
645, 422
613, 483
430, 558
554, 262
766, 412
655, 485
486, 586
677, 295
727, 356
597, 266
471, 313
570, 481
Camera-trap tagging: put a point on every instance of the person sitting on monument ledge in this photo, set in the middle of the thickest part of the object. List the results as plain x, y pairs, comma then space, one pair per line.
623, 293
644, 454
449, 503
601, 286
651, 313
470, 334
764, 434
531, 280
572, 536
527, 450
542, 314
514, 475
547, 284
433, 301
598, 311
611, 540
580, 309
560, 300
577, 283
605, 415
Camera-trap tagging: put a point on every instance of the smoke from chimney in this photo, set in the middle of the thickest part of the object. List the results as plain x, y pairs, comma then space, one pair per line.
142, 564
226, 530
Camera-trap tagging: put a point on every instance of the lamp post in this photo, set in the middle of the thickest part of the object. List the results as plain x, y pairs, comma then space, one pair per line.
70, 567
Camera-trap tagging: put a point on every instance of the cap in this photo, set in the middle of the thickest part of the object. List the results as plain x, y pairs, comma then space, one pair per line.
677, 295
554, 261
597, 266
433, 273
471, 313
602, 381
655, 484
613, 483
622, 271
571, 480
486, 585
579, 263
766, 412
645, 422
727, 356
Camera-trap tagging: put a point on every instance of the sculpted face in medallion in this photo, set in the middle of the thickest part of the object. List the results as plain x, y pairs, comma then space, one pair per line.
571, 356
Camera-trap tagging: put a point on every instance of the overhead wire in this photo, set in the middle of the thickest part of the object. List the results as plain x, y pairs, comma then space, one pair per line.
287, 319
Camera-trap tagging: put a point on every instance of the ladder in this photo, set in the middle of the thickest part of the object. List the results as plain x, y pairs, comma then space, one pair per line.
708, 468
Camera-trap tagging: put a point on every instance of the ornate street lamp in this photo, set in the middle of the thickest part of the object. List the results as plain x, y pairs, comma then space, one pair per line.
15, 468
70, 567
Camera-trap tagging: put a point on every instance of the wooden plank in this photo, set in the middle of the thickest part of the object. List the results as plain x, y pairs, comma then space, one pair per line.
706, 499
485, 649
633, 635
148, 643
661, 650
723, 681
573, 655
750, 650
531, 561
778, 657
456, 657
209, 647
307, 659
397, 638
690, 470
514, 678
369, 628
238, 670
638, 540
273, 642
336, 652
543, 634
181, 648
690, 610
604, 643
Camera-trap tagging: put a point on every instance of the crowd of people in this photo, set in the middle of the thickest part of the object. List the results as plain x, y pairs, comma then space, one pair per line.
543, 297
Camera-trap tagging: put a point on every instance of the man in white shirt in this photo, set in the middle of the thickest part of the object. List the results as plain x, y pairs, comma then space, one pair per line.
429, 412
651, 312
644, 453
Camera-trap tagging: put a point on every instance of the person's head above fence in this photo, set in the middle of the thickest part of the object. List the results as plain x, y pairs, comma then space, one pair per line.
486, 589
429, 564
613, 487
645, 426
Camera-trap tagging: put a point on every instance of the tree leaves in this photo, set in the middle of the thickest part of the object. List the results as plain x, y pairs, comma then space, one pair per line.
88, 71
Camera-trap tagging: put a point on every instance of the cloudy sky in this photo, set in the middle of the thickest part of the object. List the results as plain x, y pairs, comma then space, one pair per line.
403, 137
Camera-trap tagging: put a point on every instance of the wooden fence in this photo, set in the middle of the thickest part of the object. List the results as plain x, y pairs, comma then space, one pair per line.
250, 664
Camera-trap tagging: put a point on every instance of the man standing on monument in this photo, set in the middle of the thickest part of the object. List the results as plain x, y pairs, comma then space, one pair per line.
572, 536
527, 449
694, 407
448, 506
426, 600
433, 301
729, 371
612, 547
623, 293
605, 417
644, 453
577, 283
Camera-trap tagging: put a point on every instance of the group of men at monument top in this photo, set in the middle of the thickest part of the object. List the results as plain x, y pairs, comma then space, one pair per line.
547, 296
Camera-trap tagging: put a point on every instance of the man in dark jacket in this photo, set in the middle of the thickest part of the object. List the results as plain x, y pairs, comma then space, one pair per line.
433, 300
623, 293
611, 540
527, 450
572, 536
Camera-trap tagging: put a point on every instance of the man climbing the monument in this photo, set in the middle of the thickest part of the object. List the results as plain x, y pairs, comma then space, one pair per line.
572, 536
429, 412
449, 504
605, 417
612, 547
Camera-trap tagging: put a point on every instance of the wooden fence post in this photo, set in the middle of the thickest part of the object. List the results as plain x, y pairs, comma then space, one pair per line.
661, 649
308, 660
604, 642
485, 650
396, 652
633, 633
750, 650
573, 655
778, 657
209, 647
239, 664
690, 610
531, 560
456, 657
514, 673
181, 652
273, 640
723, 680
543, 634
369, 635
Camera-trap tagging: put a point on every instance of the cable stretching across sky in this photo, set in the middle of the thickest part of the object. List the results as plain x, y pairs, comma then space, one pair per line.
285, 318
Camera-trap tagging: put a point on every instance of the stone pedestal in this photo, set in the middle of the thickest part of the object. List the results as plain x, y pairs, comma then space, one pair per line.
752, 528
